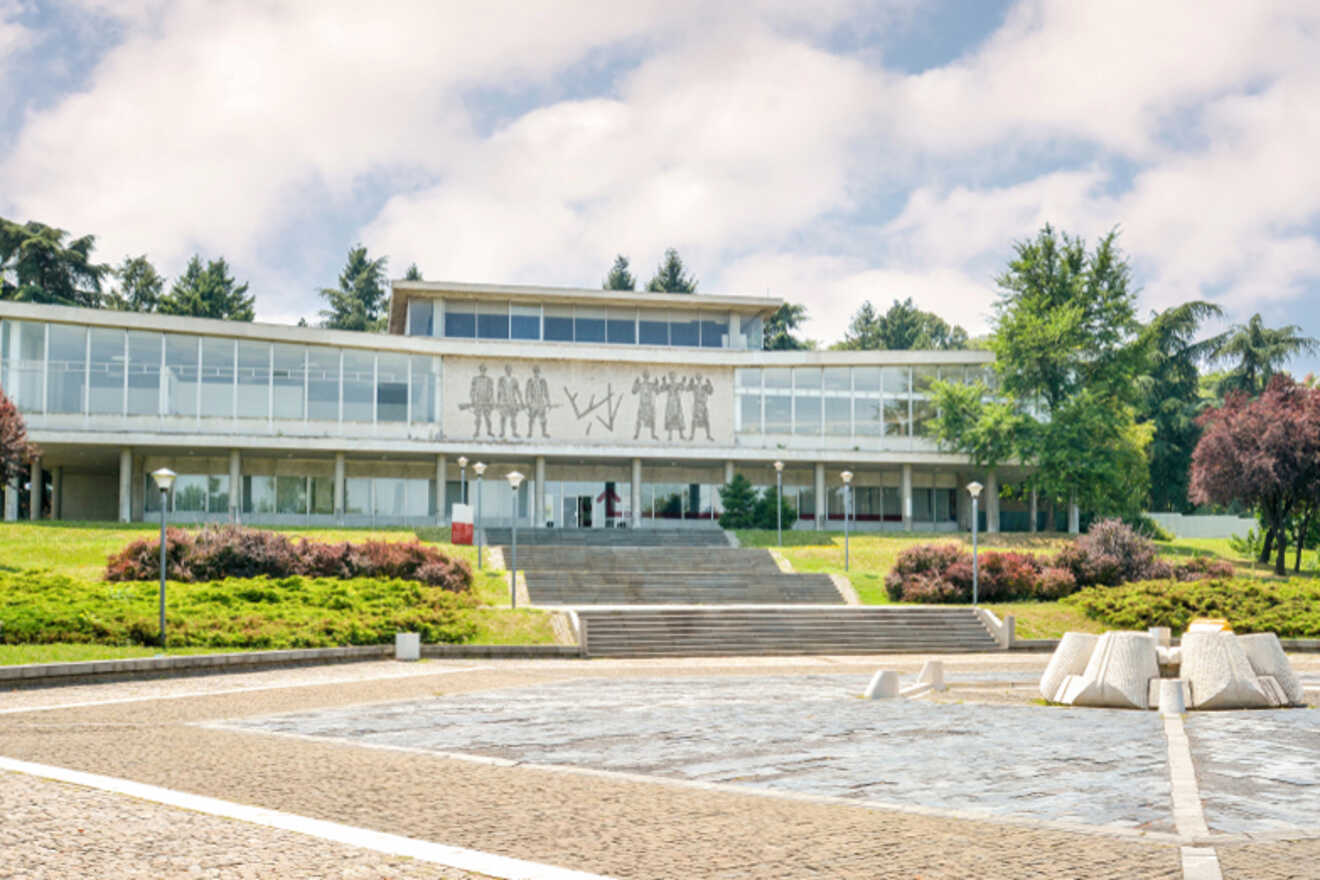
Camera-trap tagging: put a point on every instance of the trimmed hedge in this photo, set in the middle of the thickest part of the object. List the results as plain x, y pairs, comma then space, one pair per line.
229, 551
260, 612
1249, 605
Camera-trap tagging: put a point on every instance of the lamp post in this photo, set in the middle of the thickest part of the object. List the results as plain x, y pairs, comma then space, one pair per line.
847, 495
974, 489
479, 468
164, 478
515, 479
462, 479
779, 501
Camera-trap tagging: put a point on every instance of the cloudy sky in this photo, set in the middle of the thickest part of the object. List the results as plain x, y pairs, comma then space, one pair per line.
825, 152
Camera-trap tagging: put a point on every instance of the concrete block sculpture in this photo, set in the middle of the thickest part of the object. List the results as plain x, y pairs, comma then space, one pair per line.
1118, 674
1070, 658
883, 686
1265, 654
1219, 674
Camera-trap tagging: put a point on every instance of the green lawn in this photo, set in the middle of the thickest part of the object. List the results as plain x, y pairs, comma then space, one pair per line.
79, 551
63, 652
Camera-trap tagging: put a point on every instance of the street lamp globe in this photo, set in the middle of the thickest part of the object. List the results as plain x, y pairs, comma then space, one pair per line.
479, 468
974, 488
515, 480
779, 466
164, 478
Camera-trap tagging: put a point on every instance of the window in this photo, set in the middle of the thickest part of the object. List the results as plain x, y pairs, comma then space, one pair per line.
837, 379
258, 494
323, 384
753, 332
749, 378
67, 369
291, 494
806, 415
684, 329
923, 417
217, 378
622, 326
421, 317
896, 417
22, 363
144, 373
749, 407
357, 495
866, 379
181, 385
524, 322
460, 319
253, 380
217, 490
714, 332
558, 323
896, 380
652, 327
869, 417
588, 324
290, 381
922, 377
106, 394
359, 385
492, 320
423, 390
391, 387
778, 413
838, 416
323, 495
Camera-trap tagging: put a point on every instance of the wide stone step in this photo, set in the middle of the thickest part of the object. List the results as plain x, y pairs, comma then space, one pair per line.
636, 632
702, 537
570, 560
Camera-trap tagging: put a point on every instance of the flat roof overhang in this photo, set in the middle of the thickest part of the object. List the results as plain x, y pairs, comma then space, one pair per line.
402, 291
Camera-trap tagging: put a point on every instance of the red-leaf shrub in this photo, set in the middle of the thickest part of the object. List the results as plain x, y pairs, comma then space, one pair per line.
1202, 568
1007, 576
920, 559
218, 552
1110, 553
931, 588
1055, 583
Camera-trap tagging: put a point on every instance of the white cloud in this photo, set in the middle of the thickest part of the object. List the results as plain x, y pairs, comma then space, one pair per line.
14, 36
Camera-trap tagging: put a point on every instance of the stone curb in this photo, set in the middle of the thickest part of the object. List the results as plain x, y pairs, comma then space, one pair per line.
92, 671
1295, 646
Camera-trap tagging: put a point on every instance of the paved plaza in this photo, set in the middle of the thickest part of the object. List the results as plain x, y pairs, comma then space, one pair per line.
764, 767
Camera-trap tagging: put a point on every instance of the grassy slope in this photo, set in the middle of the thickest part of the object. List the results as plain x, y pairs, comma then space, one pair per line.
873, 555
79, 550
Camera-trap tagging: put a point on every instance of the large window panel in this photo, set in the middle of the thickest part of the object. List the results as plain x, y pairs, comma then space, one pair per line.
357, 495
896, 380
144, 373
217, 490
391, 387
923, 418
806, 378
714, 332
67, 369
837, 379
492, 320
323, 495
290, 380
106, 374
181, 385
421, 317
922, 378
749, 407
778, 414
524, 322
867, 379
217, 378
588, 324
258, 494
291, 494
323, 384
778, 377
460, 319
870, 417
896, 417
423, 387
558, 323
806, 415
359, 385
390, 496
190, 493
838, 416
253, 380
652, 327
621, 328
684, 329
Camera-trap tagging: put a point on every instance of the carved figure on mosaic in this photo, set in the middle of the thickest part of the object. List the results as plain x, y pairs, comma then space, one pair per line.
701, 392
673, 387
481, 400
645, 388
536, 397
508, 400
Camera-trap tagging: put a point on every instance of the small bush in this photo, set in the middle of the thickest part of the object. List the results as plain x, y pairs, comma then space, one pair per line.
931, 588
1201, 568
1109, 554
230, 551
1249, 605
1055, 583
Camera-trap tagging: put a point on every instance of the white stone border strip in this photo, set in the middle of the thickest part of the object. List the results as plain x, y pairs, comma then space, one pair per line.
1198, 862
490, 864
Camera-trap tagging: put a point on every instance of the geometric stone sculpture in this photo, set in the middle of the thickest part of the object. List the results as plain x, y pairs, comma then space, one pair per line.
1218, 673
1265, 654
1118, 674
932, 673
883, 686
1069, 658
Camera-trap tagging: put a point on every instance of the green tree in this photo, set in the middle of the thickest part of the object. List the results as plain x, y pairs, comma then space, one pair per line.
358, 303
413, 273
36, 265
671, 276
763, 513
619, 277
1257, 352
903, 328
208, 292
778, 330
1171, 398
140, 286
739, 501
1068, 360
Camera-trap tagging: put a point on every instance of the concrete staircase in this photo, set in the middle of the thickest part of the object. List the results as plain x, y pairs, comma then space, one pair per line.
694, 631
577, 588
694, 537
614, 560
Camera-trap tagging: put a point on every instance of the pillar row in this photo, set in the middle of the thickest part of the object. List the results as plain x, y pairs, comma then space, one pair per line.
906, 491
636, 493
36, 483
125, 484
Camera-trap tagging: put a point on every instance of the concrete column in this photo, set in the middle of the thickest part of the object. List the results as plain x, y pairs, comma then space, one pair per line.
11, 500
339, 487
963, 513
57, 492
36, 482
820, 496
126, 484
1035, 507
441, 476
538, 500
1074, 514
728, 472
235, 485
991, 502
906, 492
637, 493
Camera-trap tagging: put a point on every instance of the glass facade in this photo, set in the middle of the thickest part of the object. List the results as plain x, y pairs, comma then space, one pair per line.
65, 369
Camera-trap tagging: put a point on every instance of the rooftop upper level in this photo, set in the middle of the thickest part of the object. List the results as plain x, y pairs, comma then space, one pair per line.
452, 310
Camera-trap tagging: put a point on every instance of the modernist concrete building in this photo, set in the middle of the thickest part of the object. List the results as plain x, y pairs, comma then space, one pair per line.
622, 409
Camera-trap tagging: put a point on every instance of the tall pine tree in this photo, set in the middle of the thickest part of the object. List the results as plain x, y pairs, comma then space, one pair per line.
619, 278
358, 303
140, 286
671, 276
208, 292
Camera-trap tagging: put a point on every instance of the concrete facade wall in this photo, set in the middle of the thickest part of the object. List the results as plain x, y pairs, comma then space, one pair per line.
90, 496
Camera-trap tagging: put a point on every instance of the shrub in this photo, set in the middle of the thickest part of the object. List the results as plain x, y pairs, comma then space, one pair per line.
923, 559
1200, 568
1055, 583
943, 573
230, 551
1110, 553
930, 587
1248, 604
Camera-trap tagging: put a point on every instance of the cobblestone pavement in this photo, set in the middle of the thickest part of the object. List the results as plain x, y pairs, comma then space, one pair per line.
621, 827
